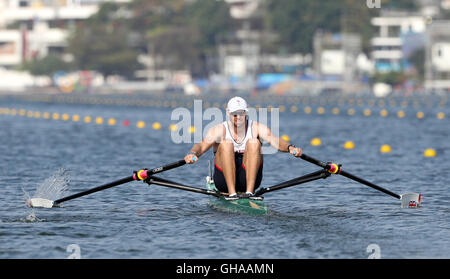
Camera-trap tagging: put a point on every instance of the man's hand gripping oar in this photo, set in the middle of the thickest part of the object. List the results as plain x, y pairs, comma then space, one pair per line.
137, 175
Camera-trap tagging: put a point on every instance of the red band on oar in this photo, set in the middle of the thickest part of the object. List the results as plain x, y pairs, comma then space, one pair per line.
334, 168
140, 175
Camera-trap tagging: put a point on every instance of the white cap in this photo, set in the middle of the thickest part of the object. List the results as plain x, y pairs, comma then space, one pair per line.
237, 104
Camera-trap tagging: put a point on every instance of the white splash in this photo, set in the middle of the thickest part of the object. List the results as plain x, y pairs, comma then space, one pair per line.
54, 187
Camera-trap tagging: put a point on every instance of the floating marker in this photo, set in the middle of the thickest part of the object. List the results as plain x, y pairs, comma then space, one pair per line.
440, 115
349, 145
140, 124
156, 126
75, 118
111, 121
126, 123
307, 110
173, 127
87, 119
367, 112
400, 114
335, 111
99, 120
385, 149
316, 142
430, 153
286, 138
384, 113
420, 114
320, 110
351, 111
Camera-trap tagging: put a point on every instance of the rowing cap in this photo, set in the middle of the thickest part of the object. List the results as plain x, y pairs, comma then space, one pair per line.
237, 104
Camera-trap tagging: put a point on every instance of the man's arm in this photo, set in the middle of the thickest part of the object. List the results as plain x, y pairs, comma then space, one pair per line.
212, 136
281, 145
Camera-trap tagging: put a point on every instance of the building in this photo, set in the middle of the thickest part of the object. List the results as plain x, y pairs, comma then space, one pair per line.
35, 28
389, 43
437, 56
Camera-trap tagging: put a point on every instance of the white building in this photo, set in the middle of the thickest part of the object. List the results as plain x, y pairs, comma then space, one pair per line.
35, 28
437, 56
387, 46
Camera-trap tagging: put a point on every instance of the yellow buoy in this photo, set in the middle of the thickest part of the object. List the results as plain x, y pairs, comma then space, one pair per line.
37, 114
294, 109
335, 111
99, 120
385, 149
367, 112
400, 114
349, 145
320, 110
156, 126
75, 118
55, 116
30, 113
140, 124
440, 115
316, 142
286, 138
420, 114
46, 115
65, 117
351, 111
307, 110
429, 153
112, 121
384, 113
87, 119
173, 127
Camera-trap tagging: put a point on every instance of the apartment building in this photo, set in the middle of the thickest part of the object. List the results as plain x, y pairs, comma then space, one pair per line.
392, 29
35, 28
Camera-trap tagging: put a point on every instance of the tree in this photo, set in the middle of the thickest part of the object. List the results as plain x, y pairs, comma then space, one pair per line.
45, 66
102, 44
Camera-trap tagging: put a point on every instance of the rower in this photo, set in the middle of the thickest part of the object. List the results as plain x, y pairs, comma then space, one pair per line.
238, 162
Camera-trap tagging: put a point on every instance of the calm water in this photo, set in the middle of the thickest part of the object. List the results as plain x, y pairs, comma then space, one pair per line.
332, 218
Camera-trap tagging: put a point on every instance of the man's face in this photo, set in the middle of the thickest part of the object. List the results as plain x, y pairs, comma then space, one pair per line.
238, 118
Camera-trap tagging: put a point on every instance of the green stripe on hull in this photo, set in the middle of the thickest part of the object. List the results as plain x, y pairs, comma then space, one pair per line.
243, 206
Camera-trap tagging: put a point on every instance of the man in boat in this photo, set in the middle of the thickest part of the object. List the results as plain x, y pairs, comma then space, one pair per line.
238, 162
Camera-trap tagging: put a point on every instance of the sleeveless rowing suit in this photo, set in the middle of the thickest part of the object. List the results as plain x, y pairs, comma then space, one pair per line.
239, 149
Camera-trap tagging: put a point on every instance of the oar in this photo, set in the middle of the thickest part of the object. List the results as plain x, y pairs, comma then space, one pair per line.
139, 175
408, 199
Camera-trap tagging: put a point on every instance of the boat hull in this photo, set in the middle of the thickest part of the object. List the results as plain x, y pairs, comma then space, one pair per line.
242, 206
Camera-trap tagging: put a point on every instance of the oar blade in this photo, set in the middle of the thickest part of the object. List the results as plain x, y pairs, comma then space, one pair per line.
40, 202
411, 200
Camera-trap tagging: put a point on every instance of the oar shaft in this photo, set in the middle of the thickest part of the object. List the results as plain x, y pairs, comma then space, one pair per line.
293, 182
167, 183
122, 181
96, 189
348, 175
370, 184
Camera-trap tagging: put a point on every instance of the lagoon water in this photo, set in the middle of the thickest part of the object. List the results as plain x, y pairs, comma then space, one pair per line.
332, 218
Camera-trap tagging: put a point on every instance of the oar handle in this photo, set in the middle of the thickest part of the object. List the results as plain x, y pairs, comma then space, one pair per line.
315, 161
336, 169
